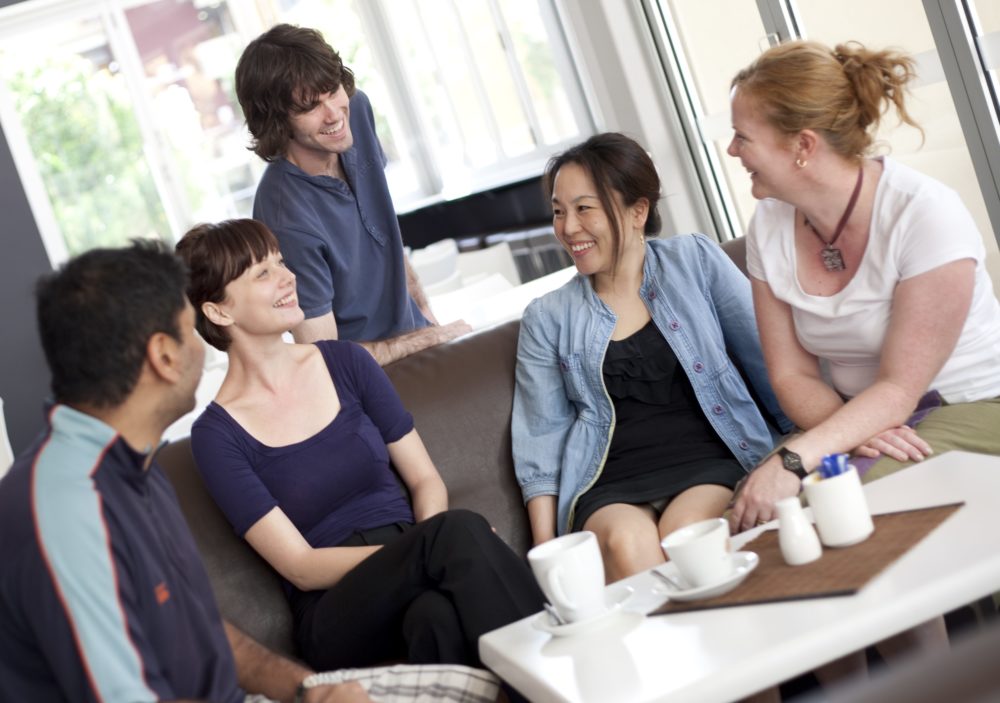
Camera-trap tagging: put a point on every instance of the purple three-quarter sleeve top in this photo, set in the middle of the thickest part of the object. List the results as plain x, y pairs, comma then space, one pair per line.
330, 485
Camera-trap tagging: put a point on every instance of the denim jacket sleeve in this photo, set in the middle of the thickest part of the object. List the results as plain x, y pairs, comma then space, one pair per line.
730, 292
543, 414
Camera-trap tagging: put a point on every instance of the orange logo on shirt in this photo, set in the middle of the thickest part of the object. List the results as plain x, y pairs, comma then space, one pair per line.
162, 593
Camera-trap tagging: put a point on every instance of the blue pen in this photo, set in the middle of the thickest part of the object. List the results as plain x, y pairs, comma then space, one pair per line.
826, 466
833, 465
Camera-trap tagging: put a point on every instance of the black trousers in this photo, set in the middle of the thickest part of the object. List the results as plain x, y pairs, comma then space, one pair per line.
426, 596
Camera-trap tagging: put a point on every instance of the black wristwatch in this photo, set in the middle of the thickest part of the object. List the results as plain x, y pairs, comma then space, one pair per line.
792, 461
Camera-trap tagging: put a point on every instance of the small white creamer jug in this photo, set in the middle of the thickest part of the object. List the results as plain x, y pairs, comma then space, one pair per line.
796, 536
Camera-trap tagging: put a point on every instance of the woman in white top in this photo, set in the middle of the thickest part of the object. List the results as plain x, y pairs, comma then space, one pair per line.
861, 262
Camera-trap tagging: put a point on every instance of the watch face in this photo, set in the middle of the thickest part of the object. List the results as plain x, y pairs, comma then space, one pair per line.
792, 461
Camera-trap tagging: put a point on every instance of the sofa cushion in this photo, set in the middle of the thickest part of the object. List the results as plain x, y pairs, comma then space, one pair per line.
461, 395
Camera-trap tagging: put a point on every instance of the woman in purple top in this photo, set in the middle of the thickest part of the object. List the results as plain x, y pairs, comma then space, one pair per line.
296, 450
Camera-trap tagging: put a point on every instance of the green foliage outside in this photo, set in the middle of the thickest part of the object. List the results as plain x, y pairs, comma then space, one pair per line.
88, 148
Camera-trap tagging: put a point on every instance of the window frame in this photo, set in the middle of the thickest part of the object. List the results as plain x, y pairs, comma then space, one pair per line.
432, 185
963, 57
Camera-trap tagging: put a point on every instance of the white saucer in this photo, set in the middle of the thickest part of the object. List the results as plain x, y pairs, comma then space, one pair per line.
743, 564
614, 599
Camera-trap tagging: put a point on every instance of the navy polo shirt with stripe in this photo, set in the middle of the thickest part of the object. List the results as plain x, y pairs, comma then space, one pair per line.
103, 596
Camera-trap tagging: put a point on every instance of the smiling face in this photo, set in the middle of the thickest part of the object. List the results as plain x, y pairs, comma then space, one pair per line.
583, 227
262, 299
321, 133
764, 152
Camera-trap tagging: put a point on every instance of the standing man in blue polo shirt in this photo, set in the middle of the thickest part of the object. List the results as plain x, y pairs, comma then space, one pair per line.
103, 596
324, 194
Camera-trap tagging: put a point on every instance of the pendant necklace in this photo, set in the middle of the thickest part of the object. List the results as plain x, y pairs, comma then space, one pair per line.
833, 260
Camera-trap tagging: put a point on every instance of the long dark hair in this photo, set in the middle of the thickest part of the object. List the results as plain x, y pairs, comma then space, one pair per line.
616, 164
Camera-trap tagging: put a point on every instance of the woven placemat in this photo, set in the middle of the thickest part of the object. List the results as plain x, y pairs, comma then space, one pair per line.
839, 572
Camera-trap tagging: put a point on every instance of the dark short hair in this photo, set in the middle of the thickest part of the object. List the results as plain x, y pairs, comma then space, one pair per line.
281, 72
216, 254
616, 164
97, 313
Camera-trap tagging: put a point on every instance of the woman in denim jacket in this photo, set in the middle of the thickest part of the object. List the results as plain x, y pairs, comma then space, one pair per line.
631, 413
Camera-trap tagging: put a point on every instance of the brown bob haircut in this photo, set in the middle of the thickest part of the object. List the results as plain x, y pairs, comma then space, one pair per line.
215, 255
283, 72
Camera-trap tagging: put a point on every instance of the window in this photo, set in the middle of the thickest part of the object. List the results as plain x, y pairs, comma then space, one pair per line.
129, 117
123, 118
987, 31
711, 52
705, 57
74, 108
467, 95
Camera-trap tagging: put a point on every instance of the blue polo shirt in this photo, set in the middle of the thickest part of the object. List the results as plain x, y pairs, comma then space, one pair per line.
342, 239
102, 594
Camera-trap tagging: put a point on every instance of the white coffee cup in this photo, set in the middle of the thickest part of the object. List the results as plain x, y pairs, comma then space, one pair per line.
701, 552
571, 573
839, 508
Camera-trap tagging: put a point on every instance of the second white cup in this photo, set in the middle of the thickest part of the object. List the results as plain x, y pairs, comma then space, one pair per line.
570, 572
701, 552
839, 507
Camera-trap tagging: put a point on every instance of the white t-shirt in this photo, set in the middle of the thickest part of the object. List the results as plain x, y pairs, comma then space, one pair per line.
917, 225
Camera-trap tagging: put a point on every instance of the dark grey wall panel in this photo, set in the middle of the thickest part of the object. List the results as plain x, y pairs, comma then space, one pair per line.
24, 378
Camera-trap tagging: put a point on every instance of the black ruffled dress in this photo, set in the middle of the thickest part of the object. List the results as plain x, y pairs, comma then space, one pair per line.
662, 443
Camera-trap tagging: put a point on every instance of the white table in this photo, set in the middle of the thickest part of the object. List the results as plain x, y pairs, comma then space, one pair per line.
723, 654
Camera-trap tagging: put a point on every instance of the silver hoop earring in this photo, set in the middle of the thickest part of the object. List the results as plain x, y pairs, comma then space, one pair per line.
801, 163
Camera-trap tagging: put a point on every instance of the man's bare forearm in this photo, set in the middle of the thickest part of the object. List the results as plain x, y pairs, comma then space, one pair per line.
259, 670
386, 351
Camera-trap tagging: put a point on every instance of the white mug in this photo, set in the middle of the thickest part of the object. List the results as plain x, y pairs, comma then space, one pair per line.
571, 573
701, 552
839, 507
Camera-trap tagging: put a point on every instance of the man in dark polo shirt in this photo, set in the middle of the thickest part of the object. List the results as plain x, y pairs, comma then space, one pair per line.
324, 194
102, 593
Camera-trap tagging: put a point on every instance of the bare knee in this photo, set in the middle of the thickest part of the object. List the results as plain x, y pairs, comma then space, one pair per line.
675, 521
627, 551
693, 505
